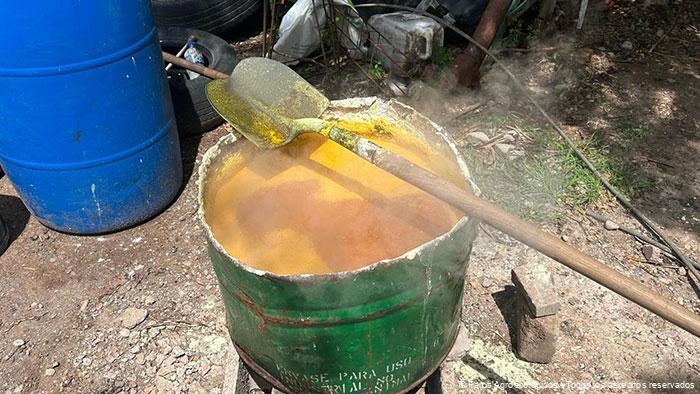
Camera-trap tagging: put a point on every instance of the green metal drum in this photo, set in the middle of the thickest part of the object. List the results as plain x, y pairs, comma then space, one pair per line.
380, 329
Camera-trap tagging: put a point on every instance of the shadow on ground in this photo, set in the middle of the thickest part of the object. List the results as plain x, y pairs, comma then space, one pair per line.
491, 375
15, 214
505, 301
189, 147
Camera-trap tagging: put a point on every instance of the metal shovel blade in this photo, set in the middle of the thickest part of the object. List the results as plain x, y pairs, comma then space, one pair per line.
250, 118
261, 96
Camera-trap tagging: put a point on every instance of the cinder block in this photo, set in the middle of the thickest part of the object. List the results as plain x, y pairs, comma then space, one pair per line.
535, 283
536, 337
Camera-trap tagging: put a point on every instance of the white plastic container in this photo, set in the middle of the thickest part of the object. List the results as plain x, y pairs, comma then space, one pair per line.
402, 40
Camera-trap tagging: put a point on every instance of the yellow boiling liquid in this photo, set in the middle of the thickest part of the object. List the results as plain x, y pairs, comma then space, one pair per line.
313, 207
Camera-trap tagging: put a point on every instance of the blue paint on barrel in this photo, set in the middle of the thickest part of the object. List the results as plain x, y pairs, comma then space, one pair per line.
87, 133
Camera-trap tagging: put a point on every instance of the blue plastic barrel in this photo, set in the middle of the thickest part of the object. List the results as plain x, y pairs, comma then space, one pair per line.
87, 133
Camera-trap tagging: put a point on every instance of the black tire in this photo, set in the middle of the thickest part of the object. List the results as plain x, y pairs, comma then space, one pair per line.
214, 16
193, 113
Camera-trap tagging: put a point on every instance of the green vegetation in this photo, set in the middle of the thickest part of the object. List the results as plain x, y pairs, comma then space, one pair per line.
377, 71
527, 187
583, 187
550, 178
633, 133
519, 34
644, 23
442, 57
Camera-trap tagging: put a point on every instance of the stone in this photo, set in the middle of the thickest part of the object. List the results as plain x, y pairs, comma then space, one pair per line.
132, 317
49, 372
213, 344
486, 282
648, 252
610, 225
177, 352
535, 337
508, 138
461, 346
150, 371
154, 331
397, 86
135, 349
149, 300
516, 154
627, 45
164, 385
166, 369
231, 369
169, 360
18, 342
536, 286
503, 148
124, 332
134, 337
477, 137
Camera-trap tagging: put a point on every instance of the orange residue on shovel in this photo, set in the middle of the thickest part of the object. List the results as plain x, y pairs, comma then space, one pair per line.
313, 207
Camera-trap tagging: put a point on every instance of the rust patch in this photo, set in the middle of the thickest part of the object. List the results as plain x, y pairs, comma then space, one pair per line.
284, 321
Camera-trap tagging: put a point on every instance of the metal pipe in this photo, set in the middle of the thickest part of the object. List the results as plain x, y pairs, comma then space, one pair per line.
264, 43
273, 28
198, 68
179, 53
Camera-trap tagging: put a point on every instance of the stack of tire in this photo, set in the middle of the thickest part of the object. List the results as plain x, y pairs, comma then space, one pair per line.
214, 16
178, 20
193, 113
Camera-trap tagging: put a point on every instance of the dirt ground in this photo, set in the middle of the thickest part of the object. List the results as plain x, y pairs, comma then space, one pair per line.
66, 302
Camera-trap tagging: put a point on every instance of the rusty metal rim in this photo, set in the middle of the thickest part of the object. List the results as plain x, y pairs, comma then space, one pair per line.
279, 386
315, 278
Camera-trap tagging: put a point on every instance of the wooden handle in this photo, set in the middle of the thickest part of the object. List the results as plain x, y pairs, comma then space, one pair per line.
519, 229
198, 68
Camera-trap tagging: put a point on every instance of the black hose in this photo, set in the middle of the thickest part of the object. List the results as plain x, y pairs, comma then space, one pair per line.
620, 197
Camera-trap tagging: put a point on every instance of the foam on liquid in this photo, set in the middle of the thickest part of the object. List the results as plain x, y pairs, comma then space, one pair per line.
312, 207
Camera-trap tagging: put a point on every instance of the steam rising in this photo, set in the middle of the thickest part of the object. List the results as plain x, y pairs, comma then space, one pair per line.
314, 207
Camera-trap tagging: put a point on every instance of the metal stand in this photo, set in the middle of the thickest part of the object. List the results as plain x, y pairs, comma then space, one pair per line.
242, 379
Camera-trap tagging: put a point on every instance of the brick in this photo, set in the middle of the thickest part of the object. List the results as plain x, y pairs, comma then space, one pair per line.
535, 337
536, 285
